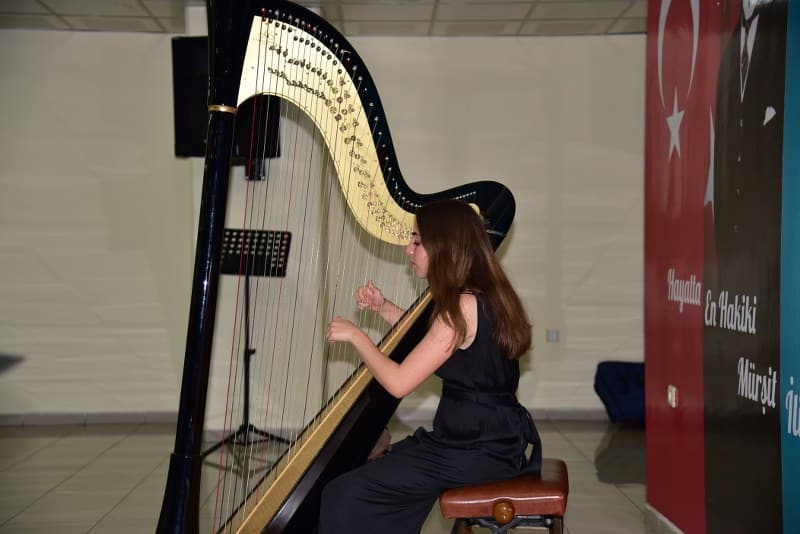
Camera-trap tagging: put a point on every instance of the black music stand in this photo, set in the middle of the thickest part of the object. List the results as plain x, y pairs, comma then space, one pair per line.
252, 253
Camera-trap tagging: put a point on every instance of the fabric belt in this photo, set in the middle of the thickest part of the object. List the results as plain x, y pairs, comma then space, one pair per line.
530, 434
489, 398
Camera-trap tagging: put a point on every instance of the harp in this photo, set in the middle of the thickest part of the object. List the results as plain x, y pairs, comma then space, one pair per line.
273, 47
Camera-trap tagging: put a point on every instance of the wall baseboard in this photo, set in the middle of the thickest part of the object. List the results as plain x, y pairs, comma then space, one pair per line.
566, 414
415, 415
654, 521
99, 418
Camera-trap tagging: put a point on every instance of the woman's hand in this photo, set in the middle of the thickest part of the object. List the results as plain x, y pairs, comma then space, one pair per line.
342, 330
369, 297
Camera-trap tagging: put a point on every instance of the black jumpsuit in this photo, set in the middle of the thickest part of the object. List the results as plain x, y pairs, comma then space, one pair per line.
480, 433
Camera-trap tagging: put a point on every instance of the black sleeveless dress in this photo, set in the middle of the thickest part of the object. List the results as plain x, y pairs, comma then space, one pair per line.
480, 433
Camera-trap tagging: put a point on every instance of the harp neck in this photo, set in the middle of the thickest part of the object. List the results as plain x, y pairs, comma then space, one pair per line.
308, 66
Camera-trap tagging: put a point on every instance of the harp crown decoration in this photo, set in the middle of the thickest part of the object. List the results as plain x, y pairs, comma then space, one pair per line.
285, 61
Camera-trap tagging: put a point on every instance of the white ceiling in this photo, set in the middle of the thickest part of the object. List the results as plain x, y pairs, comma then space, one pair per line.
352, 17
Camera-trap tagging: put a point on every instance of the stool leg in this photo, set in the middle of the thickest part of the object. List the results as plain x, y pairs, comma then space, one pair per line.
558, 526
460, 526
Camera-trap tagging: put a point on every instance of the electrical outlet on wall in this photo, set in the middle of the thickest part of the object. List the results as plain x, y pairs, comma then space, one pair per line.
672, 396
552, 335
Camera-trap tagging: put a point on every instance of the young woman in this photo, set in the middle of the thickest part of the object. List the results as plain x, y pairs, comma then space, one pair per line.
478, 331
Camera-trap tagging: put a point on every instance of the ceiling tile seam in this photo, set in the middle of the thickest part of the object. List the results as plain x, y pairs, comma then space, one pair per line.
625, 18
56, 15
563, 19
620, 16
451, 21
152, 16
483, 21
113, 17
431, 22
629, 9
526, 17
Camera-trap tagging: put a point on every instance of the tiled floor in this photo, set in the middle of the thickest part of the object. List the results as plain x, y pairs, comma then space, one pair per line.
110, 478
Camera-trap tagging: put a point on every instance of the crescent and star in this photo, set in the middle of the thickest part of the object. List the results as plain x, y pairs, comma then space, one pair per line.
674, 120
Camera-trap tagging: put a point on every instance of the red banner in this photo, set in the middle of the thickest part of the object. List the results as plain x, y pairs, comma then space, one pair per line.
683, 51
714, 127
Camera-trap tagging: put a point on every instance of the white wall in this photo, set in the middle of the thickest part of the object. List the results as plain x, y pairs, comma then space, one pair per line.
560, 121
95, 225
97, 215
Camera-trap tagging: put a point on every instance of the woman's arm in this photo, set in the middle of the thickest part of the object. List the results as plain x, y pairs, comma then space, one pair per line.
431, 352
370, 297
399, 379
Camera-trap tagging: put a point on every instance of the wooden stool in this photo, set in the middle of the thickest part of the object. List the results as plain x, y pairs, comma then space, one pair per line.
528, 500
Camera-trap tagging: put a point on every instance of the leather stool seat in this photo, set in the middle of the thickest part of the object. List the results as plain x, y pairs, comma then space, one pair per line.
529, 500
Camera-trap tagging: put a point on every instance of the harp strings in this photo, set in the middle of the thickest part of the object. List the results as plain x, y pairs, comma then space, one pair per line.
266, 294
293, 372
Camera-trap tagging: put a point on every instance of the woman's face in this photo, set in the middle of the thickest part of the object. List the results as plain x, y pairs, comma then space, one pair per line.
417, 255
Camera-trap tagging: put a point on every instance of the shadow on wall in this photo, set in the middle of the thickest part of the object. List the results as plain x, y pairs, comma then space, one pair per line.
7, 361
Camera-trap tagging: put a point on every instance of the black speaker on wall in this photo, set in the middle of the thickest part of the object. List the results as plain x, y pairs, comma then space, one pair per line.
257, 120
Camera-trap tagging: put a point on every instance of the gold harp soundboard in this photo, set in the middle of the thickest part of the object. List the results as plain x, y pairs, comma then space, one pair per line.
281, 49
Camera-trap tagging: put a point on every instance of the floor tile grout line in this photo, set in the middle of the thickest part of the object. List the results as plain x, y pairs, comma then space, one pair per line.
638, 507
129, 493
80, 464
563, 435
72, 475
592, 461
60, 438
36, 451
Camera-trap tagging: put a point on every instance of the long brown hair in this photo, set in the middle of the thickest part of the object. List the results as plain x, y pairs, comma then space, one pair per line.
461, 259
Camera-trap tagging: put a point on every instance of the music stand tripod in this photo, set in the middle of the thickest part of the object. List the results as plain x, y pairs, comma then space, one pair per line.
252, 253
